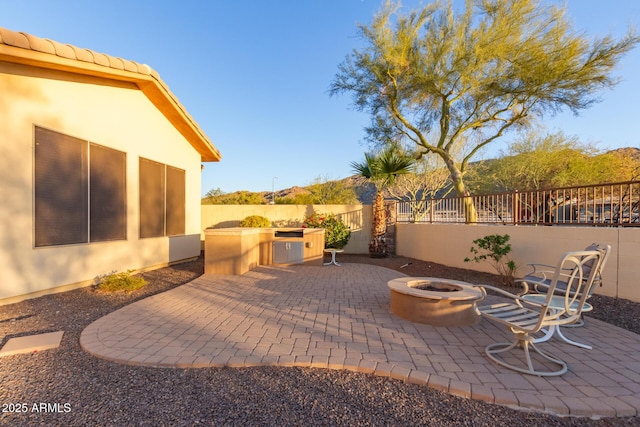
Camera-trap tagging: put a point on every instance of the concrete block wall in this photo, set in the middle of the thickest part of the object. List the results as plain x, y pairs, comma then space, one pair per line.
449, 244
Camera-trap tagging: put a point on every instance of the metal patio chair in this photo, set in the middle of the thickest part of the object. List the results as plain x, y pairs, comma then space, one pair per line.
536, 283
539, 278
525, 317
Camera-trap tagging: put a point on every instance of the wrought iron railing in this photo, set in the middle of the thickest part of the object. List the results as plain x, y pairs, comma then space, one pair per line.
595, 205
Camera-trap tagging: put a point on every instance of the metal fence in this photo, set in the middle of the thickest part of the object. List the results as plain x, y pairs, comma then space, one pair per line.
593, 205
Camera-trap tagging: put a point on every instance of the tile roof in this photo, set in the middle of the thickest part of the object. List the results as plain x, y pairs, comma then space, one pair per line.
31, 50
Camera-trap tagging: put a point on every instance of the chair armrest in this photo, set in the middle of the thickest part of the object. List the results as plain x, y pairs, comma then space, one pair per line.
541, 279
540, 271
525, 286
538, 265
528, 284
544, 269
502, 292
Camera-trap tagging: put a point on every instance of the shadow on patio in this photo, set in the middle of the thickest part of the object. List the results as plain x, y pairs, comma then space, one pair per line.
339, 318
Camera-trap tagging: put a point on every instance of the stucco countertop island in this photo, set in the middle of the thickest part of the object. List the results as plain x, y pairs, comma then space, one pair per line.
237, 250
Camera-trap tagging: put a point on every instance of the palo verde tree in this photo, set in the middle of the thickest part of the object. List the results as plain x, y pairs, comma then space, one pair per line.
382, 169
434, 77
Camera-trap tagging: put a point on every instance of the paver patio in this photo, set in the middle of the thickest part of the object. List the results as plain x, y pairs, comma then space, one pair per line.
339, 318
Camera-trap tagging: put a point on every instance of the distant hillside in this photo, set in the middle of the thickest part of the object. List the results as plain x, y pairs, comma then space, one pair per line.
366, 191
631, 152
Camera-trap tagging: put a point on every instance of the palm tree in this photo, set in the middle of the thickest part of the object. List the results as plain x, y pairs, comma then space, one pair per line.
382, 169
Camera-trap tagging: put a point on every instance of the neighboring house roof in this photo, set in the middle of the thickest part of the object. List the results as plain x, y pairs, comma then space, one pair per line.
22, 48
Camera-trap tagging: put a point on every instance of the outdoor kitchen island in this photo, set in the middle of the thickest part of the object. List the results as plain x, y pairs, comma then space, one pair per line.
237, 250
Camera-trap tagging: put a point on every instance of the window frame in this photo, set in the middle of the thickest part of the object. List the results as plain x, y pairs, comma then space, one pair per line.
50, 211
161, 199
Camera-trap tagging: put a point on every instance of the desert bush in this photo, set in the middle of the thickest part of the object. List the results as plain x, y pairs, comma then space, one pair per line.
336, 233
255, 221
123, 281
495, 250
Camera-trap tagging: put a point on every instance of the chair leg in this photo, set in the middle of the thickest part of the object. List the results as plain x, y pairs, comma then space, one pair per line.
572, 342
578, 324
548, 333
557, 330
527, 344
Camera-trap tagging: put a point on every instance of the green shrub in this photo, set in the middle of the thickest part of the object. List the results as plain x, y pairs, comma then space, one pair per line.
124, 281
336, 233
255, 221
495, 250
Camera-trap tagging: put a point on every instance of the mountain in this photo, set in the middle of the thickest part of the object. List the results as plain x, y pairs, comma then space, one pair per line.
631, 152
366, 191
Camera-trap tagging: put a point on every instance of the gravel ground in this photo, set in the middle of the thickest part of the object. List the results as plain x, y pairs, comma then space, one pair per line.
81, 390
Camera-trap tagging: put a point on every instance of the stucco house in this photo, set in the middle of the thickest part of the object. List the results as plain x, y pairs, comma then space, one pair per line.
100, 168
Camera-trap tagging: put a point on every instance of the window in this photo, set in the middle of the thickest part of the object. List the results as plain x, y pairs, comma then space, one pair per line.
175, 201
162, 199
151, 198
107, 194
80, 191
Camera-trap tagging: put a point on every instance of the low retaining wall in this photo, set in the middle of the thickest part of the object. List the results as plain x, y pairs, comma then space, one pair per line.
449, 244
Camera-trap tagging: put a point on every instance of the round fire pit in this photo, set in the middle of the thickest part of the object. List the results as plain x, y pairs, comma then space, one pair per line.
434, 301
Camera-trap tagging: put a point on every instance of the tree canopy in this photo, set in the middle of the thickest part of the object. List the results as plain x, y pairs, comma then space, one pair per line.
434, 77
551, 160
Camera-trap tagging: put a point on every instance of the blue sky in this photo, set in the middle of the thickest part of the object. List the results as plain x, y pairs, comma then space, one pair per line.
255, 75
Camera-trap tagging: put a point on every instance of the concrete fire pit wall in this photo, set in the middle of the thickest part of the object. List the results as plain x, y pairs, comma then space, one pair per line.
432, 307
237, 250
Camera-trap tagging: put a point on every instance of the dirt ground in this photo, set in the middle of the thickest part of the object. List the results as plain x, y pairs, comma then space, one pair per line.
413, 267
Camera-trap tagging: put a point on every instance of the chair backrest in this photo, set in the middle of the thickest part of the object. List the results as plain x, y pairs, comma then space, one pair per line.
578, 285
561, 286
605, 250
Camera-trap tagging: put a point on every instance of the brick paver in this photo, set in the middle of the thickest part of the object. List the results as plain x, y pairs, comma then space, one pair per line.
339, 318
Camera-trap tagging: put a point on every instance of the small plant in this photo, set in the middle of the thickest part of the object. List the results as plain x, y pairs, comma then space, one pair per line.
336, 233
495, 250
123, 281
255, 221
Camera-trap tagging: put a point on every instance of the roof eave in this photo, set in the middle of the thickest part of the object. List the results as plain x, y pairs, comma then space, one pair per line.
118, 69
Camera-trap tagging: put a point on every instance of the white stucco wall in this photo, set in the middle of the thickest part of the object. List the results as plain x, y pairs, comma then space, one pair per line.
114, 115
449, 244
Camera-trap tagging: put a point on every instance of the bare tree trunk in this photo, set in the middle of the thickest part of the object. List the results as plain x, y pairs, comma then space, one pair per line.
390, 234
470, 213
378, 247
